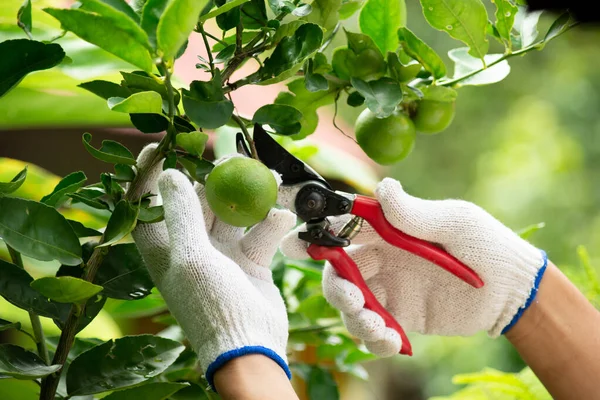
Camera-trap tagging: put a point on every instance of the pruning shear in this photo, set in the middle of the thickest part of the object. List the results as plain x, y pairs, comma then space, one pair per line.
312, 199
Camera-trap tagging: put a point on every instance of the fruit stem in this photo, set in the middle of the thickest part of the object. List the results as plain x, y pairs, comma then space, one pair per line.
249, 139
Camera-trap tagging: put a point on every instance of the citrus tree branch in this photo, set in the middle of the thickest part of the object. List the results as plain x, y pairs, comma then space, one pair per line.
249, 139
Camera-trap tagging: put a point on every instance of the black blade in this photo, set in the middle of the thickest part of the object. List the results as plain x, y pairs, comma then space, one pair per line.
275, 157
241, 145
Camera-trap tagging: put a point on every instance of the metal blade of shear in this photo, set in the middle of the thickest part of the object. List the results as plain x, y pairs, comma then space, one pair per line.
241, 146
275, 157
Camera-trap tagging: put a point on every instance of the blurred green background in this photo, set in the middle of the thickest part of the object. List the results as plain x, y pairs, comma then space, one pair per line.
526, 149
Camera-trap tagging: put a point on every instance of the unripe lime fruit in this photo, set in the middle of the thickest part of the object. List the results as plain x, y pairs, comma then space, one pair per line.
241, 191
433, 116
385, 140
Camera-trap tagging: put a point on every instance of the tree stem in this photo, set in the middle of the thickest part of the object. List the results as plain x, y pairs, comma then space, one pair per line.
211, 62
36, 325
249, 139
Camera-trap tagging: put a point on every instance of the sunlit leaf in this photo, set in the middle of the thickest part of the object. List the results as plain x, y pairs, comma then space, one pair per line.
138, 103
176, 23
192, 142
465, 64
65, 289
380, 19
425, 55
505, 18
526, 24
111, 151
15, 182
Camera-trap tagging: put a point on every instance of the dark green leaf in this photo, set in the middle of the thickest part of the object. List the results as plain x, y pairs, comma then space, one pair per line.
465, 64
465, 20
254, 14
4, 325
149, 123
206, 105
284, 119
38, 231
105, 89
14, 287
424, 54
19, 363
24, 17
92, 202
79, 345
325, 13
321, 385
15, 183
381, 96
292, 51
182, 125
196, 167
320, 64
246, 37
137, 103
121, 222
286, 30
121, 363
399, 72
82, 230
170, 161
355, 99
225, 55
123, 173
314, 81
150, 391
111, 151
222, 9
505, 18
106, 33
22, 56
68, 184
151, 13
227, 20
151, 214
193, 392
307, 103
192, 142
65, 289
176, 23
92, 307
526, 24
380, 20
144, 307
139, 81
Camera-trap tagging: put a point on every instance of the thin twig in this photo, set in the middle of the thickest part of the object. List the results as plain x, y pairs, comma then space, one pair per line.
335, 112
249, 139
211, 62
213, 37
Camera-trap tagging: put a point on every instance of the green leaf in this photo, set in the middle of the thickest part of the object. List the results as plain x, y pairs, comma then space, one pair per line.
149, 123
170, 160
380, 20
246, 37
140, 81
19, 363
121, 19
321, 65
465, 20
526, 232
65, 289
196, 167
22, 56
24, 17
38, 231
111, 151
325, 13
222, 9
321, 385
557, 27
68, 184
381, 96
14, 287
123, 173
206, 105
399, 72
225, 55
151, 214
151, 13
105, 33
121, 363
92, 202
307, 103
176, 23
439, 93
138, 103
355, 99
82, 230
361, 59
465, 64
182, 125
286, 30
123, 7
15, 182
526, 24
314, 82
5, 325
505, 18
150, 391
425, 55
121, 222
192, 142
292, 51
349, 7
284, 119
105, 89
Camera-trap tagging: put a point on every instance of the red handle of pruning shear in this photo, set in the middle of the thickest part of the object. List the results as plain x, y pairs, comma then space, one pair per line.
370, 210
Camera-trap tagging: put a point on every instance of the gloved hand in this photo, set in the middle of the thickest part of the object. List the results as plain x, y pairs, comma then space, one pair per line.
420, 295
214, 277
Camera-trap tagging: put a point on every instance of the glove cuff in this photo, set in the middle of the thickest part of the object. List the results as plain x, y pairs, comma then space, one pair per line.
246, 350
521, 300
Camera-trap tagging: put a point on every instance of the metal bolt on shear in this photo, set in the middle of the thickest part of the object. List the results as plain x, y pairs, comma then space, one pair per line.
311, 197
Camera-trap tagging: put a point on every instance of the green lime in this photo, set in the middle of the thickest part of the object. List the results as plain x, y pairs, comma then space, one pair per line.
433, 116
241, 191
385, 140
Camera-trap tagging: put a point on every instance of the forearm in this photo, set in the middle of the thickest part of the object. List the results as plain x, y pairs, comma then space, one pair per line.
558, 336
253, 377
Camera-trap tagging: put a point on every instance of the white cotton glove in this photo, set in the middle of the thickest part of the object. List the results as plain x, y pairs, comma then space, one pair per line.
214, 277
420, 295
